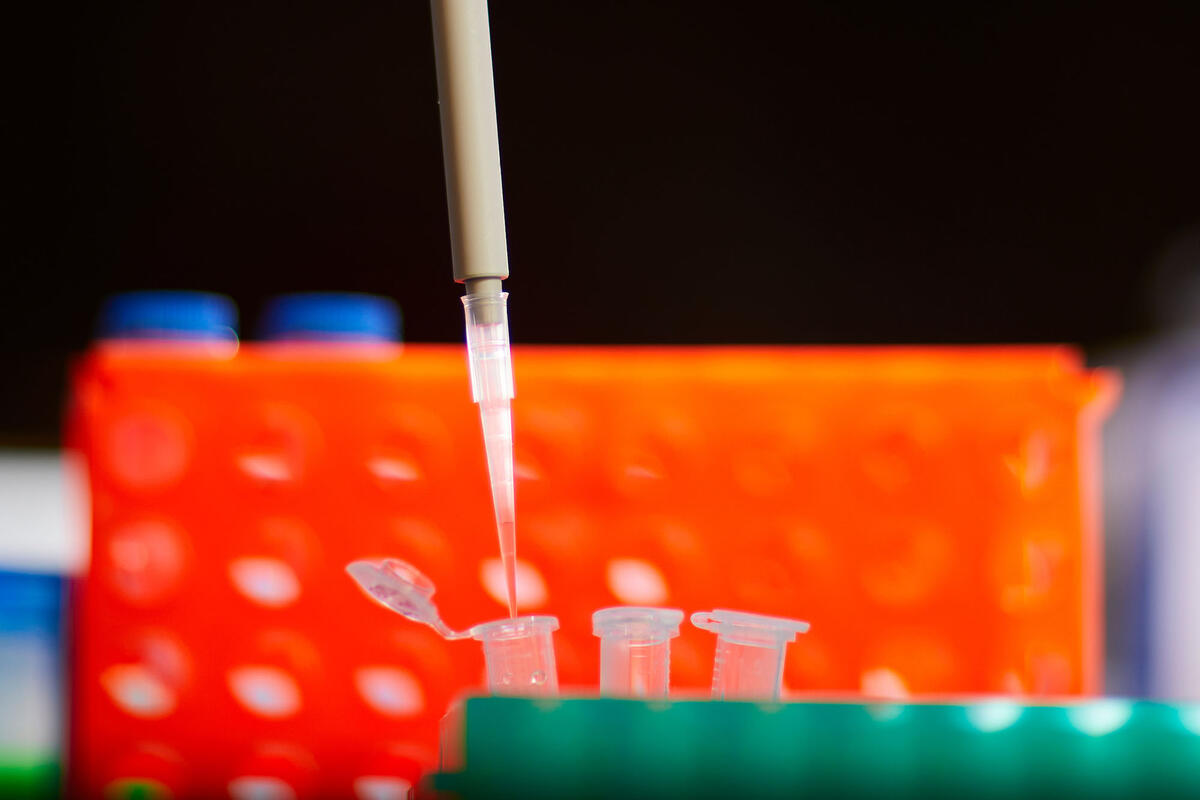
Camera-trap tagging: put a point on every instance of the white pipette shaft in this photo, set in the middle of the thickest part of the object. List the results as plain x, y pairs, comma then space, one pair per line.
470, 140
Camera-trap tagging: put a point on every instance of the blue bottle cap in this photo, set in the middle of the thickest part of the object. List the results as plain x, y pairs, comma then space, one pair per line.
30, 602
330, 317
168, 315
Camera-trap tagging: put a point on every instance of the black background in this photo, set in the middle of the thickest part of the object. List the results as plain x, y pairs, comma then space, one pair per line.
674, 172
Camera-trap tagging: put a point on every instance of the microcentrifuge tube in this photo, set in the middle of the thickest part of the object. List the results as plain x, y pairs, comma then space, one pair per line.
749, 661
635, 649
519, 654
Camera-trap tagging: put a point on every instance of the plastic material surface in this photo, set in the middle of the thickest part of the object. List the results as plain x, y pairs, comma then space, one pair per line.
490, 362
748, 664
635, 649
470, 139
331, 317
403, 588
985, 749
518, 652
931, 511
519, 655
168, 315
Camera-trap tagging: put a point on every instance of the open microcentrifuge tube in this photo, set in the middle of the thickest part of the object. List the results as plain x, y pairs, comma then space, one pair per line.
519, 652
635, 649
519, 655
749, 661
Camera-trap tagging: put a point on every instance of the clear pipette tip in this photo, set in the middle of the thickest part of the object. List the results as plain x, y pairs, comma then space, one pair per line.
489, 356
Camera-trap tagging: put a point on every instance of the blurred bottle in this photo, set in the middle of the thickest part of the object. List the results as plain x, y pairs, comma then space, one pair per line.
30, 684
181, 322
1152, 466
337, 324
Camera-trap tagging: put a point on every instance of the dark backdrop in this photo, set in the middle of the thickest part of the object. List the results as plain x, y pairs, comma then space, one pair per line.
674, 172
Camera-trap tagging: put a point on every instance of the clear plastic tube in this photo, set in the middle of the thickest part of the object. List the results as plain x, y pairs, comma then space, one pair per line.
489, 357
750, 648
635, 649
519, 654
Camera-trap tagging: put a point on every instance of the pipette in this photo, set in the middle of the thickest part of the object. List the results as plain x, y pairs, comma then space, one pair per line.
475, 199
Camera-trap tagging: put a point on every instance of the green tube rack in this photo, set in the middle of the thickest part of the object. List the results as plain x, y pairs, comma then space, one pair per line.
587, 748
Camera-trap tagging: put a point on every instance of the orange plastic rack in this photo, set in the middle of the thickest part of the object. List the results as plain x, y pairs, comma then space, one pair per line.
932, 512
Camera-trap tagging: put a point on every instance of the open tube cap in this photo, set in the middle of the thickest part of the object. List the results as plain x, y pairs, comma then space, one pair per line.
397, 585
752, 629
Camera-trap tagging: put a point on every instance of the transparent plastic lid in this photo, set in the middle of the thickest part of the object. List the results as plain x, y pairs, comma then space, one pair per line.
746, 628
637, 622
401, 587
